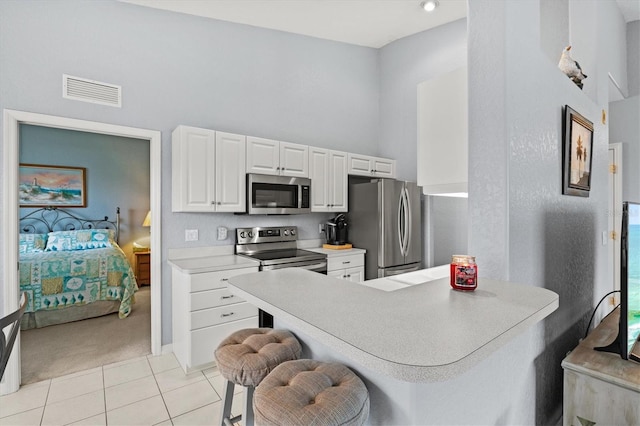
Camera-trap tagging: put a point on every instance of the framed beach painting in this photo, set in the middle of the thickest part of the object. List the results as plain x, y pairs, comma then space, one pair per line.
52, 186
577, 154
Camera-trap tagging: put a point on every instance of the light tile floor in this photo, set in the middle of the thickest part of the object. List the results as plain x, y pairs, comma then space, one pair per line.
142, 391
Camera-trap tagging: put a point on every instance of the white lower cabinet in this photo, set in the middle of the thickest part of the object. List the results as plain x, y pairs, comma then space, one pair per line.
347, 267
204, 313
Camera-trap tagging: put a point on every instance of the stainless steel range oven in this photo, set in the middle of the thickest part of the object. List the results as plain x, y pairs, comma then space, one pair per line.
276, 247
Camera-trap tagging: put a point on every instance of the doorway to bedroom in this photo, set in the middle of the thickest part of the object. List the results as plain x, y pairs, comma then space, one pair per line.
82, 334
13, 121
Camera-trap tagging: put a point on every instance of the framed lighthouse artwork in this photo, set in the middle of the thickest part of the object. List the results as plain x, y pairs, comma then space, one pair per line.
577, 153
52, 186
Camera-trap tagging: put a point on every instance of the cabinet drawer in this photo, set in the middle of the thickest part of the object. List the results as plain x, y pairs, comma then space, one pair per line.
222, 314
205, 341
342, 262
212, 280
213, 298
144, 259
144, 269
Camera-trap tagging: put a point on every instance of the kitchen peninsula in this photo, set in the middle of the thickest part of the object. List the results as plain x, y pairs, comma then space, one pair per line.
416, 346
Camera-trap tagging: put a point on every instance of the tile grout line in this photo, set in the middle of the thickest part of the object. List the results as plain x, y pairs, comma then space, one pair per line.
46, 399
160, 390
104, 396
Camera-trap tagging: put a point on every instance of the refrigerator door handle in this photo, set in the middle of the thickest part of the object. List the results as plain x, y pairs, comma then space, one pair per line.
408, 224
401, 222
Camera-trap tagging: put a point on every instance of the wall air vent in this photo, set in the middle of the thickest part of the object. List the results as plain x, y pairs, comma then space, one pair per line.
82, 89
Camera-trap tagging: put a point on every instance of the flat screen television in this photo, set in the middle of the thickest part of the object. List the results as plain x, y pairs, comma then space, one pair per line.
626, 343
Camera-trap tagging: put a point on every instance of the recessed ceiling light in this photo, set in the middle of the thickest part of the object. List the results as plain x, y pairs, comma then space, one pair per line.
430, 5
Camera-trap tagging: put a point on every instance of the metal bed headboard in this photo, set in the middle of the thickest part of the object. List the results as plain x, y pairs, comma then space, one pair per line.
49, 219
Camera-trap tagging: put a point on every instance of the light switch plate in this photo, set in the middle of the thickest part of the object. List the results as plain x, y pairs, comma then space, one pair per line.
191, 235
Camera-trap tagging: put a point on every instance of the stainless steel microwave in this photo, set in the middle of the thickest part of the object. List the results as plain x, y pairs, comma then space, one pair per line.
268, 194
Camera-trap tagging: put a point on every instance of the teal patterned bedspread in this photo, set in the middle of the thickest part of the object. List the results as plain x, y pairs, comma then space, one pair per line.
55, 280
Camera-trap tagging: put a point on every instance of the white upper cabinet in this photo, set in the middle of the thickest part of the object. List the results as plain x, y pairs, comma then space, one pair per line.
231, 179
365, 165
263, 156
208, 171
443, 133
329, 182
294, 159
269, 157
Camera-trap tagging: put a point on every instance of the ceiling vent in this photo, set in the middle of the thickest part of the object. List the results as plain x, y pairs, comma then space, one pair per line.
82, 89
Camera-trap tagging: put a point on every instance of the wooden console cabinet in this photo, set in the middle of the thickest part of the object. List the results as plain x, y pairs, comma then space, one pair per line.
600, 388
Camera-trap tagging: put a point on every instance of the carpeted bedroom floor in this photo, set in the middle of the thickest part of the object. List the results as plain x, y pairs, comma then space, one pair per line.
58, 350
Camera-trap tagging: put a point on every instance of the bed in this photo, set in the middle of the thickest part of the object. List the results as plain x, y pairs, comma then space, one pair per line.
72, 268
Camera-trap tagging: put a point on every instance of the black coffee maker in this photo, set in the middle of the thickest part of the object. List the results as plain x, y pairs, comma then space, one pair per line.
336, 230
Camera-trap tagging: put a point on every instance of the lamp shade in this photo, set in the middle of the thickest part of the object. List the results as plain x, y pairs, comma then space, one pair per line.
147, 219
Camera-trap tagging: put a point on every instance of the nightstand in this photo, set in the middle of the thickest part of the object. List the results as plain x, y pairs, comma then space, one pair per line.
143, 268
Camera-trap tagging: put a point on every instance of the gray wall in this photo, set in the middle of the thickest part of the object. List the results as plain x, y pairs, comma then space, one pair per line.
180, 69
624, 127
624, 122
521, 227
403, 65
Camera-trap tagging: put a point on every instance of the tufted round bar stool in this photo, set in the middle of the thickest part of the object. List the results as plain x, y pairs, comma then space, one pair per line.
244, 358
309, 392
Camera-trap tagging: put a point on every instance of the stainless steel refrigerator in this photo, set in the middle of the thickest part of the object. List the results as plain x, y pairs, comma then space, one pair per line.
385, 219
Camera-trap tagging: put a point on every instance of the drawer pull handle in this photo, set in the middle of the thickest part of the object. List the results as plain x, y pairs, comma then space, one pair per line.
227, 297
226, 315
347, 262
224, 279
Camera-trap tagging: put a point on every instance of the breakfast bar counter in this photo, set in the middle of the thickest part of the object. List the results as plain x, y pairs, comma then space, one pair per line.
400, 341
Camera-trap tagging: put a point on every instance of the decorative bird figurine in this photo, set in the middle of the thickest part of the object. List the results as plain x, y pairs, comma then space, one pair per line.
571, 67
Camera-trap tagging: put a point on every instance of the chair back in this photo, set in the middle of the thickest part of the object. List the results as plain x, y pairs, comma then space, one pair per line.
6, 342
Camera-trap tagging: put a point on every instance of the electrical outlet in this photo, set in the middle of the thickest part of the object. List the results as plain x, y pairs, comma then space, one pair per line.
222, 233
320, 228
191, 235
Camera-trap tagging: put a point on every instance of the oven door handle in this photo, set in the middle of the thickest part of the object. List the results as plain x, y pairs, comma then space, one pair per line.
311, 266
316, 267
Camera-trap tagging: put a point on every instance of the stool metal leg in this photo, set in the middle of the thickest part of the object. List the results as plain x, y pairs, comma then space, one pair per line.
247, 408
227, 400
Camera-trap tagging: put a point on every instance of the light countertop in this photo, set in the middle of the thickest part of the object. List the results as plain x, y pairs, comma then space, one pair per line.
422, 332
196, 265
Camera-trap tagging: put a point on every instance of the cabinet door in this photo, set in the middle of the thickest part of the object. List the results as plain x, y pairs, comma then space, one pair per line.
355, 274
193, 158
320, 177
338, 181
339, 273
359, 165
384, 168
263, 156
230, 173
294, 159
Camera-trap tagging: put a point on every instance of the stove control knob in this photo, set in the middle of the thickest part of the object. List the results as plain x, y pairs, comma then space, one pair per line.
293, 232
286, 232
250, 234
242, 234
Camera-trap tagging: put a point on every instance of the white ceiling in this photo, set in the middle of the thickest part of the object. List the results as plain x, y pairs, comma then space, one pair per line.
372, 23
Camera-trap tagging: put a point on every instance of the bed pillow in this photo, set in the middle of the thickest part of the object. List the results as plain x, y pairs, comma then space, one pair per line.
32, 243
84, 239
